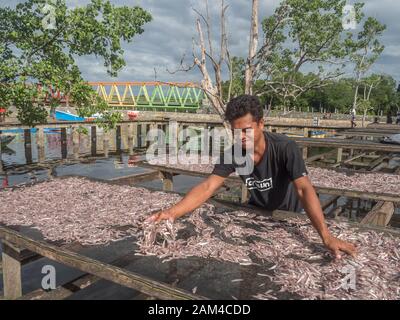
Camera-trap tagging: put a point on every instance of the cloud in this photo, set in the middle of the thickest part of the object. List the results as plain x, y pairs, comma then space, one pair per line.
169, 36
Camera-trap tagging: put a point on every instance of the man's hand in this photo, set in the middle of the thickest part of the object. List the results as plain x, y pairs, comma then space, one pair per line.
162, 215
336, 245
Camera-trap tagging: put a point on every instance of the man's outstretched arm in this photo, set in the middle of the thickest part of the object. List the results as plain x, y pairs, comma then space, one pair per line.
192, 200
312, 206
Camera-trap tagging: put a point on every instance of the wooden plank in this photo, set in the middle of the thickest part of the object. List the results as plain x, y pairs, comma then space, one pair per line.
322, 190
340, 163
97, 268
358, 164
345, 144
380, 214
23, 256
200, 122
319, 156
377, 161
136, 178
81, 282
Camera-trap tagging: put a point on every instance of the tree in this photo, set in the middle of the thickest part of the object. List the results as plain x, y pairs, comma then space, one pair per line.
235, 86
365, 50
314, 30
37, 54
253, 44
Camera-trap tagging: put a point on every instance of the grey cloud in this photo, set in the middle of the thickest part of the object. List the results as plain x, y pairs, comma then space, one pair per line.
169, 36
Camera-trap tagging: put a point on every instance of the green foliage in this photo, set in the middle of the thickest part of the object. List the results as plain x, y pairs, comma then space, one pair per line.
32, 54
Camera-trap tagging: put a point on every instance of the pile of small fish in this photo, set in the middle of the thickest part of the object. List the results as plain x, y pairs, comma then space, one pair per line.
289, 253
77, 209
300, 263
320, 177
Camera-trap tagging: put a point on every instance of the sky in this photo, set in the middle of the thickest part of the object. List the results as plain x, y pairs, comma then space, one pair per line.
169, 36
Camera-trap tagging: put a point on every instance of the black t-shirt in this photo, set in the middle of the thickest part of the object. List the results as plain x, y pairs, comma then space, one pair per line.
270, 183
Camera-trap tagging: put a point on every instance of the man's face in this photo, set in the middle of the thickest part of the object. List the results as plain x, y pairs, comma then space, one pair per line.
248, 129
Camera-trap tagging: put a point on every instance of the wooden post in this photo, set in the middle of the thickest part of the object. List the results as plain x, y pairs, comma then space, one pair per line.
1, 162
305, 149
167, 179
131, 136
64, 145
244, 194
40, 144
12, 281
75, 142
173, 139
139, 135
94, 140
380, 214
106, 143
118, 139
339, 155
28, 146
152, 126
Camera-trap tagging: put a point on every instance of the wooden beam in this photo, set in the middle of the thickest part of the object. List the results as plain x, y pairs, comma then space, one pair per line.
12, 281
325, 204
244, 193
334, 212
75, 142
136, 178
40, 143
345, 144
322, 190
167, 180
380, 214
320, 156
338, 164
64, 143
339, 155
1, 161
377, 161
106, 143
79, 283
97, 268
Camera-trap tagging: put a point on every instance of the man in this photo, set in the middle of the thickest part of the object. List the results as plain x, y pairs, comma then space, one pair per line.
353, 119
278, 181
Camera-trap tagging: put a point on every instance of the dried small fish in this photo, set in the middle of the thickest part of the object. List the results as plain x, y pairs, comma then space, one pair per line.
95, 213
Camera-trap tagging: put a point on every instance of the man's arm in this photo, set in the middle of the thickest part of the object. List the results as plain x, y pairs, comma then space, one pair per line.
312, 206
192, 200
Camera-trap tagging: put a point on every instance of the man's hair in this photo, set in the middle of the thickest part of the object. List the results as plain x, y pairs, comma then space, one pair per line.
242, 105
